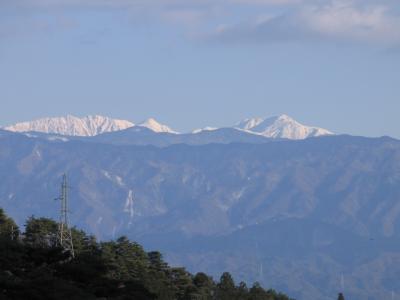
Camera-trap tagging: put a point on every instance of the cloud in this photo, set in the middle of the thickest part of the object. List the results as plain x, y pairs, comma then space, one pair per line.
360, 21
186, 16
265, 2
136, 3
347, 21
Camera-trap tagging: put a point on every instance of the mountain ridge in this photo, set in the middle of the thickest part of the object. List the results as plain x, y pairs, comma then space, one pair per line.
71, 125
305, 210
281, 126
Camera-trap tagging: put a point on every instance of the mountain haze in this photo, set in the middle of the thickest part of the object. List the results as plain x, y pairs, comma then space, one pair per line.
138, 135
294, 215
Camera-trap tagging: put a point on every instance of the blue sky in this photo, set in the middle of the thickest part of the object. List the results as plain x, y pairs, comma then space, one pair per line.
196, 63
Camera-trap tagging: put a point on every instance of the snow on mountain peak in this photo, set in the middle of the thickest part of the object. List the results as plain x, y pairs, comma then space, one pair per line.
247, 124
155, 126
281, 126
285, 118
208, 128
72, 126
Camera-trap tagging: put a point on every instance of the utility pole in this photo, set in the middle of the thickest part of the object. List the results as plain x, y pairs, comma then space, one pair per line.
64, 230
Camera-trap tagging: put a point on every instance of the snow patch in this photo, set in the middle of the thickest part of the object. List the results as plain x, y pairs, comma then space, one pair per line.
114, 178
238, 194
204, 129
119, 180
129, 204
223, 207
114, 230
57, 138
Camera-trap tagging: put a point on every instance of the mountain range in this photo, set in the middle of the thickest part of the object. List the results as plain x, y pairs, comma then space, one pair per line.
72, 126
281, 127
274, 127
309, 217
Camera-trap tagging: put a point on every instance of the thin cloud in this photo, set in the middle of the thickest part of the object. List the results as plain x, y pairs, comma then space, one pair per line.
137, 3
365, 21
185, 16
337, 21
266, 2
346, 20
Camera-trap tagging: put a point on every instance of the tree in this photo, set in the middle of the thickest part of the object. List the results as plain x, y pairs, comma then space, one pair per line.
8, 228
226, 289
41, 232
157, 277
205, 286
258, 293
202, 280
83, 243
35, 267
340, 297
242, 291
182, 281
126, 260
156, 261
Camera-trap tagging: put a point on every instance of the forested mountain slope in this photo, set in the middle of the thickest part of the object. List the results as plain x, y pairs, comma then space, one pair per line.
308, 210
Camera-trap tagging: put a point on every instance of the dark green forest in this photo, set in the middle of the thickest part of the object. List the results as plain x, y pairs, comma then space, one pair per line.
33, 266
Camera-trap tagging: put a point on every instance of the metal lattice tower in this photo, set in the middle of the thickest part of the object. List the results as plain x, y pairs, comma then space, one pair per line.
64, 230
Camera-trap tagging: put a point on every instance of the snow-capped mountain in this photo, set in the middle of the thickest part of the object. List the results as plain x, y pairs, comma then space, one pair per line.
247, 124
72, 126
281, 127
155, 126
274, 127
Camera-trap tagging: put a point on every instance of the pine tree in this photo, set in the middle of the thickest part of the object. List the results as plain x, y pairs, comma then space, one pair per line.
226, 289
340, 297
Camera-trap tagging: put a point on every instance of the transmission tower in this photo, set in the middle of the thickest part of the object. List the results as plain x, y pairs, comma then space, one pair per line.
64, 230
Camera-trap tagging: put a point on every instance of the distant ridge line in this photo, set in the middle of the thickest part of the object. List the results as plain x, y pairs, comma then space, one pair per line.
281, 126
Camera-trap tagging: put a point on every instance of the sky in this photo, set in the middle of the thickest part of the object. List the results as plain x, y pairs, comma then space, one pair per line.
196, 63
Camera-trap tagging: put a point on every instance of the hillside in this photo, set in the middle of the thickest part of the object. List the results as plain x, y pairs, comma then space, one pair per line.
34, 266
309, 211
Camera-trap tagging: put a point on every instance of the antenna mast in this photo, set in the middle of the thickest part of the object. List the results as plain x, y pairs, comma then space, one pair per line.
64, 231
